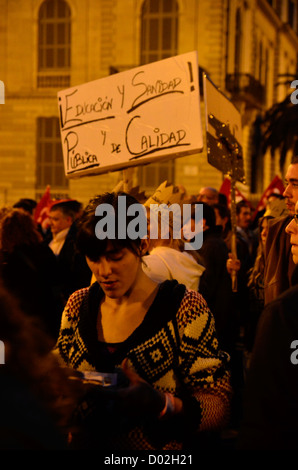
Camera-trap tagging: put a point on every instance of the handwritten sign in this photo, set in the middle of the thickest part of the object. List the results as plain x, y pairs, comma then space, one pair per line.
224, 132
145, 114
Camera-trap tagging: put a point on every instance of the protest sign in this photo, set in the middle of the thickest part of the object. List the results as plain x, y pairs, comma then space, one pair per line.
145, 114
224, 132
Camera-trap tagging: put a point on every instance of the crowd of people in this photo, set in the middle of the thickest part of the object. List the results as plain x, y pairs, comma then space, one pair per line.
147, 334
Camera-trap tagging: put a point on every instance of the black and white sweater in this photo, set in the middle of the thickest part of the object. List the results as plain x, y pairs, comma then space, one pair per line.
175, 349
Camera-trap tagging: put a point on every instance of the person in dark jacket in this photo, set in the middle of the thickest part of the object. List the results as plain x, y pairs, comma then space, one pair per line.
74, 272
270, 399
37, 395
29, 270
215, 283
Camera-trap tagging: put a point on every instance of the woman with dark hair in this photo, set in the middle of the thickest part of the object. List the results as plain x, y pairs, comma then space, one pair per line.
28, 205
157, 340
29, 270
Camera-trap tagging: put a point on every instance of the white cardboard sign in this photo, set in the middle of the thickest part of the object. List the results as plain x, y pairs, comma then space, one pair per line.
145, 114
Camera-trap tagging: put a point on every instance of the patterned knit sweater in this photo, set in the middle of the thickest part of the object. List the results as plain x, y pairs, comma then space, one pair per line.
175, 349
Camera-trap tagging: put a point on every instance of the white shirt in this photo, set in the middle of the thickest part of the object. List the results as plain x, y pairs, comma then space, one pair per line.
167, 263
58, 241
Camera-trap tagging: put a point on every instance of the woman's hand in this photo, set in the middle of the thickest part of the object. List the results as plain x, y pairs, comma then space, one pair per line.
233, 264
139, 398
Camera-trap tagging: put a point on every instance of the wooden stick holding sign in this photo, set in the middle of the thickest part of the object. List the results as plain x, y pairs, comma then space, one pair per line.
127, 179
224, 148
234, 232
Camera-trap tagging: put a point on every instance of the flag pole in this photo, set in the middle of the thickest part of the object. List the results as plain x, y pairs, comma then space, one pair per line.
234, 232
127, 179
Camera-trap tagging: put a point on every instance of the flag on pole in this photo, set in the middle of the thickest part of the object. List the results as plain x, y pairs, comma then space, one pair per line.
276, 186
42, 208
226, 190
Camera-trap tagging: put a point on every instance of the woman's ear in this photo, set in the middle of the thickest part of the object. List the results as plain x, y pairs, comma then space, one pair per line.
144, 248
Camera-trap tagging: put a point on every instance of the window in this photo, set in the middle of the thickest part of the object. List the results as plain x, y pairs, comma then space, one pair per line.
151, 176
292, 14
159, 30
54, 31
238, 43
272, 3
261, 62
159, 40
50, 166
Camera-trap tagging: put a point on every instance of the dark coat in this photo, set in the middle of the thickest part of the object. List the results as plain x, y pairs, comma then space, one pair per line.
215, 285
74, 272
270, 399
30, 273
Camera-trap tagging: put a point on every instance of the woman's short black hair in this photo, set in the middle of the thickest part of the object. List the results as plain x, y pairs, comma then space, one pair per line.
88, 242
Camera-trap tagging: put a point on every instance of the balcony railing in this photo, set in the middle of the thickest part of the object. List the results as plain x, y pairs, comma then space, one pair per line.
246, 87
53, 79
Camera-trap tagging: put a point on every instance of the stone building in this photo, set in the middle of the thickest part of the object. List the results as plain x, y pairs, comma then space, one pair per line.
245, 46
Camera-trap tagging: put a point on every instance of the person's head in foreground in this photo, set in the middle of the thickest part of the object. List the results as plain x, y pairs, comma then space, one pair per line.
292, 230
291, 190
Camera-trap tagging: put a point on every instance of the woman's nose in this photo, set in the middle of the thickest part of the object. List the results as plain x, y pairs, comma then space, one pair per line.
104, 267
292, 227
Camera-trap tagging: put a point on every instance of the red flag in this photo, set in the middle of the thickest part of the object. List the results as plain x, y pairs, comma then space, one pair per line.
276, 186
226, 190
42, 208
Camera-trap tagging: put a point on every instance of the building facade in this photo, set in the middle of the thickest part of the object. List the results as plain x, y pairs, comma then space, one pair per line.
247, 47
